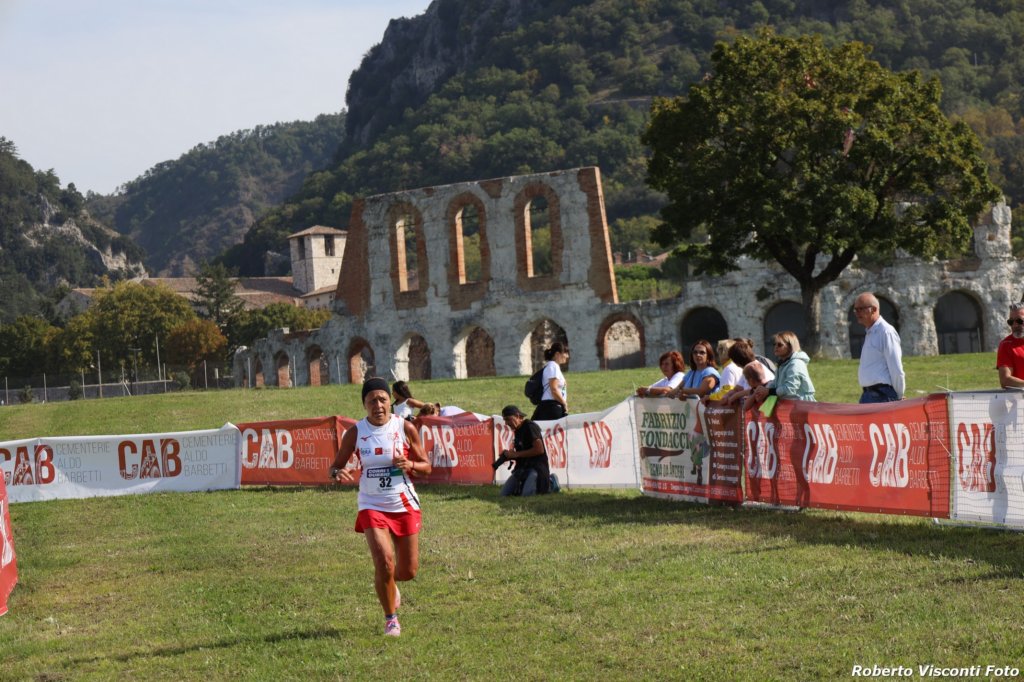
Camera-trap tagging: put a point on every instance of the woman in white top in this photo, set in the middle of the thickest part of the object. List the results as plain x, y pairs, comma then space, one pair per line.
553, 404
403, 404
389, 509
672, 366
731, 372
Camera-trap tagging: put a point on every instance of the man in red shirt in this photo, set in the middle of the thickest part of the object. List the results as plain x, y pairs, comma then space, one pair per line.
1010, 354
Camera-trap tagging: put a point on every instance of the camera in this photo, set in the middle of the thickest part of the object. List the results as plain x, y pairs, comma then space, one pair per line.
502, 458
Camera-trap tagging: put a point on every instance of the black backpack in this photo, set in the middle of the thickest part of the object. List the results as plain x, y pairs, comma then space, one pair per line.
534, 389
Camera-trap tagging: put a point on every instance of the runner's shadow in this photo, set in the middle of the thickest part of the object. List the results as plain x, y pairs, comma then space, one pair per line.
159, 652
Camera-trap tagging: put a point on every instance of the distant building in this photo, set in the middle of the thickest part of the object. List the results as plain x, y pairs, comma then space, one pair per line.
316, 255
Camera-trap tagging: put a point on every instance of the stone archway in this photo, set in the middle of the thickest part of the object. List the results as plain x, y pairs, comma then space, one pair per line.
701, 323
413, 361
620, 342
319, 367
284, 379
784, 316
856, 329
543, 334
258, 380
361, 361
958, 324
474, 354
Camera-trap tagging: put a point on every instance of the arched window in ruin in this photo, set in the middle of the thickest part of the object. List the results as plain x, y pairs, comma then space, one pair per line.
258, 380
319, 369
620, 342
408, 255
538, 230
468, 251
538, 238
474, 354
467, 231
958, 324
361, 362
412, 361
543, 334
284, 379
857, 331
701, 323
785, 316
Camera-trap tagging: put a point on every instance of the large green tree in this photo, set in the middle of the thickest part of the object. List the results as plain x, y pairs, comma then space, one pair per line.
130, 316
793, 152
215, 293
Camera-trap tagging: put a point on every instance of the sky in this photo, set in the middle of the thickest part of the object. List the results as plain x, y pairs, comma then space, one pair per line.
100, 91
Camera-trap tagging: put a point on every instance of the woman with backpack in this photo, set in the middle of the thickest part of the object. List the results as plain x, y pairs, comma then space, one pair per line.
553, 404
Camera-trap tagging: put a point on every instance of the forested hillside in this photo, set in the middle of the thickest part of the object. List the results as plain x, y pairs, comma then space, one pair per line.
187, 211
485, 88
48, 241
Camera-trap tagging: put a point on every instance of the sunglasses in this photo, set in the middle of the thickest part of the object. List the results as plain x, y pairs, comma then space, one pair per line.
1015, 320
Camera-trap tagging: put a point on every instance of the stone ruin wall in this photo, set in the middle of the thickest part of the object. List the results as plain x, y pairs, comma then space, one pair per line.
440, 326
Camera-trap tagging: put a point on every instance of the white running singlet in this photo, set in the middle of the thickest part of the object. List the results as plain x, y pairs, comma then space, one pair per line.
382, 486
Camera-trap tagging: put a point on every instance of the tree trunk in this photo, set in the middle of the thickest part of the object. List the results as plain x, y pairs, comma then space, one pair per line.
812, 315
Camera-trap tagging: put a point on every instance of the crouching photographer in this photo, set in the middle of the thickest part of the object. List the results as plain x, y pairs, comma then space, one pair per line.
531, 475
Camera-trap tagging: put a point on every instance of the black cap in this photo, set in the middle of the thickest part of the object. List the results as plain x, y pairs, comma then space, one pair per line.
511, 411
374, 384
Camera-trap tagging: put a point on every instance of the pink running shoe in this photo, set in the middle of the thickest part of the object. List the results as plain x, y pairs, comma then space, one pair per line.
392, 628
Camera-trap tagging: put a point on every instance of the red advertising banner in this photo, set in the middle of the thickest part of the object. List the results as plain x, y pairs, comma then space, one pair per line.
724, 431
291, 452
460, 448
890, 458
8, 561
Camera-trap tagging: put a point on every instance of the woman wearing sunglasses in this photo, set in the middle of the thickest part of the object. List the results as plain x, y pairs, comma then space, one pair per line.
791, 378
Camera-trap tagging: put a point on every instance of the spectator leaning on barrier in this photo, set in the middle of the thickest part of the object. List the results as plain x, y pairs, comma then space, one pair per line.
881, 360
791, 379
1010, 354
703, 378
671, 363
531, 474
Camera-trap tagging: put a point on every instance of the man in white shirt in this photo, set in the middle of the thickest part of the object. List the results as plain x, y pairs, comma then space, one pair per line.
881, 360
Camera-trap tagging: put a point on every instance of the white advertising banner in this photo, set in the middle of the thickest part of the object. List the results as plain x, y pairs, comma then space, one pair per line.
987, 430
95, 466
601, 448
596, 449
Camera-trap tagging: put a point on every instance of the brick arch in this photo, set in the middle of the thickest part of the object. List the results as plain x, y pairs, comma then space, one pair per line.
539, 336
412, 361
631, 353
524, 244
282, 364
474, 353
361, 360
319, 366
258, 381
416, 296
462, 293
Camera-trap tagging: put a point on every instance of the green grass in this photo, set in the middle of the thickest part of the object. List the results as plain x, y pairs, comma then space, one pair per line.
273, 584
835, 380
268, 584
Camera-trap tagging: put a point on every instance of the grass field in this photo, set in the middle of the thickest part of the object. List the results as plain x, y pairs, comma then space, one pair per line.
269, 584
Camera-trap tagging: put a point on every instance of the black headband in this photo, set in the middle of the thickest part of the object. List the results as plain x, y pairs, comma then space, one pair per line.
374, 384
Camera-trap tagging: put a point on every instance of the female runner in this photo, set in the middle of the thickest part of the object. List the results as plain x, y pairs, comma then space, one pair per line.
389, 510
